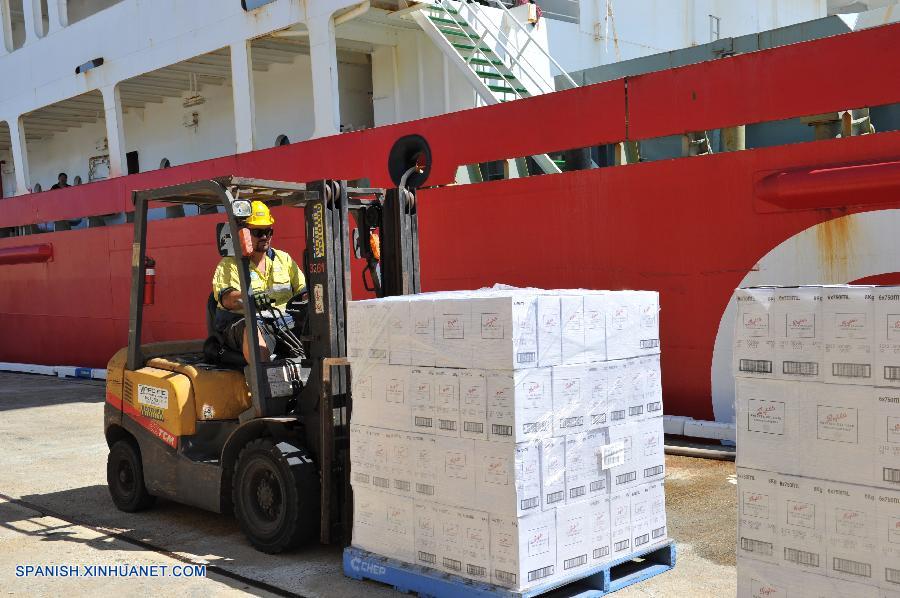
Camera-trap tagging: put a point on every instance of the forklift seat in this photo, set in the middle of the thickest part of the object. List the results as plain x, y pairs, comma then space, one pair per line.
214, 349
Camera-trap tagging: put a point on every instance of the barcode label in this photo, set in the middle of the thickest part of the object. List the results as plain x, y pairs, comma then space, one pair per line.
427, 489
622, 545
755, 366
617, 415
652, 471
800, 368
526, 357
852, 567
362, 478
851, 370
476, 427
892, 575
555, 497
891, 372
402, 485
601, 552
476, 570
637, 410
757, 546
529, 503
659, 532
596, 420
801, 557
649, 343
452, 564
892, 475
499, 430
505, 577
575, 562
381, 482
535, 427
540, 573
640, 540
424, 422
626, 477
651, 407
576, 492
598, 485
427, 557
571, 422
447, 424
377, 353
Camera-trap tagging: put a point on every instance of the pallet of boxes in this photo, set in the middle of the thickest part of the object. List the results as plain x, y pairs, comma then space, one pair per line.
506, 441
818, 435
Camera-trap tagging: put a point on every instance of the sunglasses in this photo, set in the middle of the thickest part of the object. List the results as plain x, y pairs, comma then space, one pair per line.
259, 233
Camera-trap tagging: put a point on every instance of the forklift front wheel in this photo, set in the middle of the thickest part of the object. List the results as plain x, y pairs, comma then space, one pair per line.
276, 495
125, 476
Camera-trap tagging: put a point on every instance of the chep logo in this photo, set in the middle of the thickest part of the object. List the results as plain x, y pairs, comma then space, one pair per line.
359, 565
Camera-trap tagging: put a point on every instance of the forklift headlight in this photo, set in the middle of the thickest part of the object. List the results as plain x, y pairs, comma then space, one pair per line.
241, 208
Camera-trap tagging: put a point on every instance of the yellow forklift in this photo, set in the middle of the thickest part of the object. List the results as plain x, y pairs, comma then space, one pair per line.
268, 441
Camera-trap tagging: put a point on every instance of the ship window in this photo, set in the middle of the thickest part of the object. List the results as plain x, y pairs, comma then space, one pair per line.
164, 163
37, 188
282, 140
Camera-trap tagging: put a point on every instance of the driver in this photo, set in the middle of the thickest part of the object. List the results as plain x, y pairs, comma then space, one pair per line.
272, 272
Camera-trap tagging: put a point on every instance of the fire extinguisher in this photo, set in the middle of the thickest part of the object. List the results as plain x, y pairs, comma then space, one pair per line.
149, 280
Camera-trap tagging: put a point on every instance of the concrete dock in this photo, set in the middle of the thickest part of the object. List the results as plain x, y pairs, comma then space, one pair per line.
55, 510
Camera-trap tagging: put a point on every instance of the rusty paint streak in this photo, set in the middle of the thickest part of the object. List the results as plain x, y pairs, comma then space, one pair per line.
835, 239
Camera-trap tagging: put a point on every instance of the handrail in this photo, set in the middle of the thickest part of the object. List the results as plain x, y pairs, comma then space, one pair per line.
528, 33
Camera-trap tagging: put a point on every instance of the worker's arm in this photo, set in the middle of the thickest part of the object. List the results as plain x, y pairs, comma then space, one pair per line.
298, 281
226, 285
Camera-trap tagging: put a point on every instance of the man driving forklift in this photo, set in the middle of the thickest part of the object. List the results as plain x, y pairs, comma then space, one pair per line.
272, 272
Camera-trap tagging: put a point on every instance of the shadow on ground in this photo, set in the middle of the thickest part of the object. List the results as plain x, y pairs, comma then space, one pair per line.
22, 391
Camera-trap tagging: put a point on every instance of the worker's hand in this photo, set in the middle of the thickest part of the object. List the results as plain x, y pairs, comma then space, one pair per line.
232, 300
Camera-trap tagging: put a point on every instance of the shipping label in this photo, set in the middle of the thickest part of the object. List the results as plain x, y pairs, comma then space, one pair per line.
801, 325
850, 523
491, 326
802, 514
756, 504
838, 424
764, 416
538, 541
755, 324
613, 455
851, 326
153, 401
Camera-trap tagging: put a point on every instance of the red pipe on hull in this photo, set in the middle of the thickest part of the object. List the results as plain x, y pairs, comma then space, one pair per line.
26, 254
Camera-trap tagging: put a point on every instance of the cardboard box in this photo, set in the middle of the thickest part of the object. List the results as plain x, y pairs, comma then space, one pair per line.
648, 516
758, 521
797, 327
465, 542
422, 331
887, 336
596, 304
622, 457
519, 405
362, 458
887, 534
428, 542
508, 478
549, 330
455, 333
553, 472
586, 479
572, 314
632, 324
506, 326
446, 402
523, 549
398, 330
596, 395
399, 462
802, 529
421, 400
384, 524
768, 424
357, 332
456, 465
600, 529
756, 579
651, 454
851, 524
390, 407
754, 341
636, 383
849, 314
653, 398
425, 458
473, 404
573, 540
570, 403
618, 390
620, 524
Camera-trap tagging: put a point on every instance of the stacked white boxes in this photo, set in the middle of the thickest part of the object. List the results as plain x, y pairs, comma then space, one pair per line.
512, 436
818, 434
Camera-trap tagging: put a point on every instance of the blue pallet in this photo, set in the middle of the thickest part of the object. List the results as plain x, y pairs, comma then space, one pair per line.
430, 583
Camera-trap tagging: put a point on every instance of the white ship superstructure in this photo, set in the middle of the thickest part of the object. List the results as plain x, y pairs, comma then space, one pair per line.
103, 88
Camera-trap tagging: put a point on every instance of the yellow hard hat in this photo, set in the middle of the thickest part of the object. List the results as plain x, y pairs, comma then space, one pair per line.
260, 215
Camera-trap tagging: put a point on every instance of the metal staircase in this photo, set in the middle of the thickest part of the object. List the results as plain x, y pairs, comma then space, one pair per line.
492, 60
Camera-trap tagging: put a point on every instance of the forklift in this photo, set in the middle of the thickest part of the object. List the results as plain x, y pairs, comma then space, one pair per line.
267, 441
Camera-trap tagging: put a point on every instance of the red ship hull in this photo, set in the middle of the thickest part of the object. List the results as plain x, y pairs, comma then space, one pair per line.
692, 228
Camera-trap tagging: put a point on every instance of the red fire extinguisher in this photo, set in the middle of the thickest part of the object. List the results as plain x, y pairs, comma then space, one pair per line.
149, 280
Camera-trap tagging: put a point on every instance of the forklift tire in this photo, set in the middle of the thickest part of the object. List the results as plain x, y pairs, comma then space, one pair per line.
275, 491
125, 477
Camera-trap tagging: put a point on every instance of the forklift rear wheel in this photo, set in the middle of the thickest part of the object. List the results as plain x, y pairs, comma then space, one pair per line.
276, 495
125, 476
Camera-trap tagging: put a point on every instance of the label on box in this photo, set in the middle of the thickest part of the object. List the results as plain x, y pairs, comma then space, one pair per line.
538, 541
893, 429
612, 455
766, 416
850, 326
850, 523
496, 471
838, 424
802, 514
756, 504
756, 324
801, 325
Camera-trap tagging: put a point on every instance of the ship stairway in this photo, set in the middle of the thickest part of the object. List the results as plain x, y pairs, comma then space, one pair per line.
491, 55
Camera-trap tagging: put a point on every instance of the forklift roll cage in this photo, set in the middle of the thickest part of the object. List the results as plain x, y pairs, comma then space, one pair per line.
327, 205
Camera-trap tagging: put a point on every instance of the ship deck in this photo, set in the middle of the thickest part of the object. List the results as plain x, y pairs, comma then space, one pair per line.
55, 509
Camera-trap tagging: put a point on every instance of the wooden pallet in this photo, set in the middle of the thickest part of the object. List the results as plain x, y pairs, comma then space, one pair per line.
430, 583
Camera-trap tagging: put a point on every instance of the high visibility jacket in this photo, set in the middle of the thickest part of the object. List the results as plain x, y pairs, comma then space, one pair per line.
283, 278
